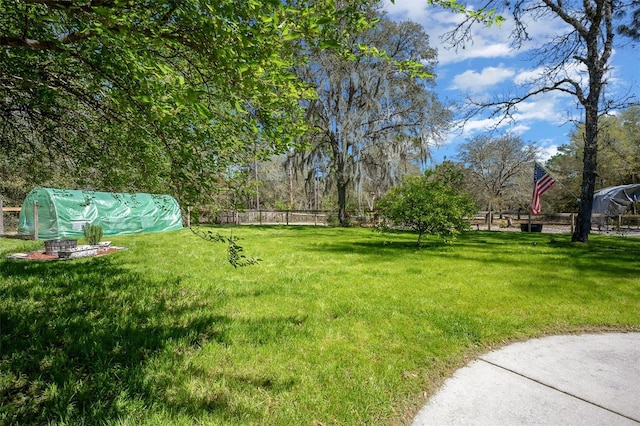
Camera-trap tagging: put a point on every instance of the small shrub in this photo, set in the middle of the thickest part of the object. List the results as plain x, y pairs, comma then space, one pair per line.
428, 204
92, 233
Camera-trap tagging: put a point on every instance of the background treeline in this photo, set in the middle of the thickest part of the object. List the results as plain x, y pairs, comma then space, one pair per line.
497, 173
497, 170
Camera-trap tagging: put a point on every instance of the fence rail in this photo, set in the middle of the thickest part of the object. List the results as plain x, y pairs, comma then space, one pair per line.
498, 219
274, 217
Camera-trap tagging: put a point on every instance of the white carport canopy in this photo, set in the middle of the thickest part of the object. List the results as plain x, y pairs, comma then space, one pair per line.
615, 200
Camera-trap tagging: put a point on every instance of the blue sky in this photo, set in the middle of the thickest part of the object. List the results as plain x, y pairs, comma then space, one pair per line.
492, 66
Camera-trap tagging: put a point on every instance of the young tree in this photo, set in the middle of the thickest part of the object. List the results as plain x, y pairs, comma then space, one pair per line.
495, 166
370, 116
587, 44
429, 204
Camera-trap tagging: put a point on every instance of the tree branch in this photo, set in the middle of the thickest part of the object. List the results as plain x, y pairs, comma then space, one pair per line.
29, 43
70, 4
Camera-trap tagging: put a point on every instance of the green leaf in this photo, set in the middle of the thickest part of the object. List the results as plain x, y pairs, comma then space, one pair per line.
203, 111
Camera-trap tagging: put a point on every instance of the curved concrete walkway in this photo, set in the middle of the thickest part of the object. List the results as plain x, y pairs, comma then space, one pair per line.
590, 379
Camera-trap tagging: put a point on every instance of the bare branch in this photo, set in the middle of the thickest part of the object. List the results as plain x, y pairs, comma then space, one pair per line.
30, 43
561, 12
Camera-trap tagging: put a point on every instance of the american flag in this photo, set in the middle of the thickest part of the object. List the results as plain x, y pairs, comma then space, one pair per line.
541, 182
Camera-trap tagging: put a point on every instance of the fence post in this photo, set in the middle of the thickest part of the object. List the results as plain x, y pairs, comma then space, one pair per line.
287, 216
529, 221
573, 222
1, 219
35, 220
619, 222
188, 216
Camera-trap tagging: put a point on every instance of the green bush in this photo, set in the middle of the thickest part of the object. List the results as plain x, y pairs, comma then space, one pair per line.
92, 233
428, 204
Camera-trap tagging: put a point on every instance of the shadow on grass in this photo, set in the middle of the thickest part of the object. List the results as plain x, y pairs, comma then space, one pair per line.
77, 337
391, 243
602, 256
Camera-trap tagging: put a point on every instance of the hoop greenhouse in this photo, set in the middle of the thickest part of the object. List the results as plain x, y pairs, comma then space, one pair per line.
62, 213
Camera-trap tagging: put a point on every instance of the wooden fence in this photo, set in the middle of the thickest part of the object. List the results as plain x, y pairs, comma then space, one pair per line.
325, 217
498, 219
11, 210
275, 217
599, 222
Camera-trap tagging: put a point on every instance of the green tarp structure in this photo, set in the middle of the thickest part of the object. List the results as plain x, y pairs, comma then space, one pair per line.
61, 213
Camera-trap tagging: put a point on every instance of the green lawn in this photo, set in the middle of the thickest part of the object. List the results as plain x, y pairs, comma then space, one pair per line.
333, 327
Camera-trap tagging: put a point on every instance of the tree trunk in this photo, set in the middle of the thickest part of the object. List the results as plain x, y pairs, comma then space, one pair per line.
257, 185
340, 164
342, 202
489, 218
583, 223
592, 113
341, 184
290, 173
596, 62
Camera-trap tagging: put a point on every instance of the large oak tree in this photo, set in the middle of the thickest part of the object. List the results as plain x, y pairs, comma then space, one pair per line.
372, 118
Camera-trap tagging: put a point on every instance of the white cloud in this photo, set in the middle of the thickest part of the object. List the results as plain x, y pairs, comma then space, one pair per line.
525, 76
551, 108
529, 117
486, 42
487, 50
574, 70
479, 81
520, 129
544, 108
407, 9
482, 125
548, 152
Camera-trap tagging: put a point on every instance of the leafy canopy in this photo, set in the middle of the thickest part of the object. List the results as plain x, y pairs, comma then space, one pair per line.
163, 96
148, 94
